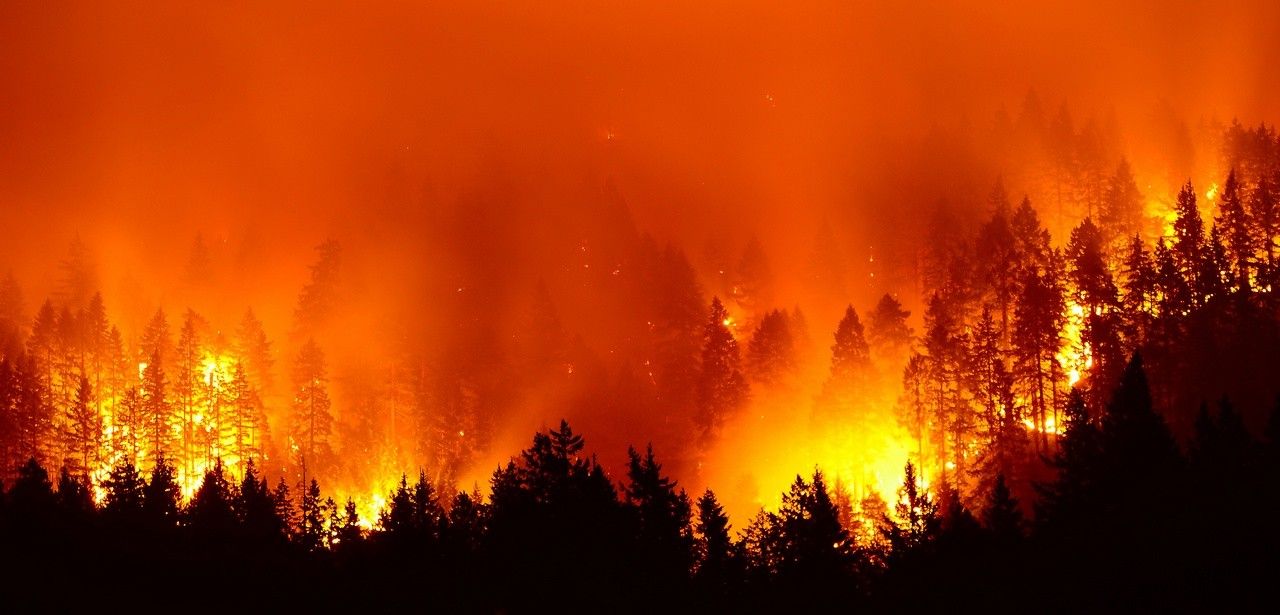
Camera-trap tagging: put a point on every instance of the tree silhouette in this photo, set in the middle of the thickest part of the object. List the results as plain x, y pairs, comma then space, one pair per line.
662, 515
722, 389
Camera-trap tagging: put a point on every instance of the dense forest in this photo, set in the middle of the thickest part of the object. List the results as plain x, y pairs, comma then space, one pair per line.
1088, 424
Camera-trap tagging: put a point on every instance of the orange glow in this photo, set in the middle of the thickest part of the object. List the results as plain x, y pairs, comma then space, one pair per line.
536, 203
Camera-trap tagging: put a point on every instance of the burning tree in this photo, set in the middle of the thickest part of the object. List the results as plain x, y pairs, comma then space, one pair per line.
311, 424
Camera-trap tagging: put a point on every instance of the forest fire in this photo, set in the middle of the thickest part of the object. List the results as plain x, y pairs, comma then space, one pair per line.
762, 307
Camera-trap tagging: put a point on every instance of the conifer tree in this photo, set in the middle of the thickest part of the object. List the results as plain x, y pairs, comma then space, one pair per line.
311, 424
918, 522
1236, 227
158, 420
125, 493
311, 530
285, 512
1121, 214
850, 356
210, 511
82, 429
662, 513
716, 563
771, 351
162, 495
722, 389
887, 332
1263, 211
1002, 515
1188, 240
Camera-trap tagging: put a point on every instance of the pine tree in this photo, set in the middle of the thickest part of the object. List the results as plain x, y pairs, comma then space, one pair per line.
914, 404
664, 535
771, 351
187, 381
1172, 287
1036, 342
1002, 515
311, 531
319, 297
245, 416
347, 532
1121, 215
949, 414
74, 499
311, 423
1133, 435
1189, 240
31, 501
82, 430
1077, 465
156, 345
918, 522
997, 258
1236, 227
162, 495
95, 330
210, 512
130, 425
722, 389
119, 374
716, 569
285, 513
158, 420
253, 350
1263, 210
34, 416
887, 332
43, 353
1139, 295
850, 355
256, 508
815, 548
125, 493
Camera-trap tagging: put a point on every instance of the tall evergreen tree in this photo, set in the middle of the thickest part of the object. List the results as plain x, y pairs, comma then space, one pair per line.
771, 351
717, 562
722, 389
1236, 227
162, 495
158, 420
662, 512
1188, 239
917, 521
887, 332
311, 424
82, 430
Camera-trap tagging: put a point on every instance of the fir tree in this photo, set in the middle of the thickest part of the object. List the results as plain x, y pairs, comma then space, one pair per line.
311, 529
771, 351
887, 332
722, 390
717, 559
1236, 227
311, 424
82, 429
162, 495
125, 493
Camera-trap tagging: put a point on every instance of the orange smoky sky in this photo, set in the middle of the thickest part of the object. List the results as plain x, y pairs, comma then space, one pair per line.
310, 118
470, 145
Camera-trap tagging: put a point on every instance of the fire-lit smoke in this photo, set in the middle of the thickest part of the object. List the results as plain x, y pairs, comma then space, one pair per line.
516, 190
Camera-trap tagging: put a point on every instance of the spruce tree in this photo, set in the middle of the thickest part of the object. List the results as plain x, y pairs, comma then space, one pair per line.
722, 389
